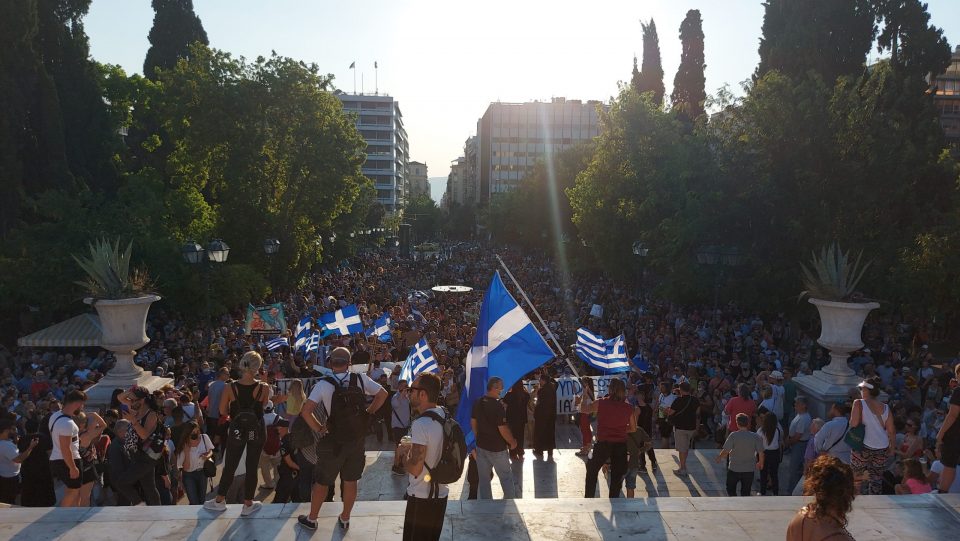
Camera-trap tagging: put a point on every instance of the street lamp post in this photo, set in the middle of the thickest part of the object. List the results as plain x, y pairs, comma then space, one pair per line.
641, 252
216, 251
719, 257
270, 247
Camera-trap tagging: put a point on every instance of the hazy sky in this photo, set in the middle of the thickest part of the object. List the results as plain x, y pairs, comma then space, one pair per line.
445, 61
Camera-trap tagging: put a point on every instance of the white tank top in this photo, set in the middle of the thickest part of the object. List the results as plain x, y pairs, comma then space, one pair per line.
875, 436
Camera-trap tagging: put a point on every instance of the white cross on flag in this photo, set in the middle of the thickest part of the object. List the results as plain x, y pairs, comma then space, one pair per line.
420, 360
345, 321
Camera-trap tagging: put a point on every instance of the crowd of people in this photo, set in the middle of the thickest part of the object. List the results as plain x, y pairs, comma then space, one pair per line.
721, 375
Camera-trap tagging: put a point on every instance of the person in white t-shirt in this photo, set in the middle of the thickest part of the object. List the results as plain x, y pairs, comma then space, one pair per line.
336, 458
10, 460
936, 469
65, 455
400, 421
426, 501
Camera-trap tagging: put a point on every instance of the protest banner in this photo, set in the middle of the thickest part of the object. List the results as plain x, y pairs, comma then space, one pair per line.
265, 319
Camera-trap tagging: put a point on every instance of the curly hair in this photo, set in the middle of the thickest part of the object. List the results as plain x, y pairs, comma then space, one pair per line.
830, 482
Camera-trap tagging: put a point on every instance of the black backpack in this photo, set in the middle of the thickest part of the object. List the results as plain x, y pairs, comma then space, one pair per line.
348, 418
452, 455
245, 424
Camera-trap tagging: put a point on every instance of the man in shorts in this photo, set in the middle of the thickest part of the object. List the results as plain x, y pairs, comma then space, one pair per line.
65, 455
336, 457
683, 414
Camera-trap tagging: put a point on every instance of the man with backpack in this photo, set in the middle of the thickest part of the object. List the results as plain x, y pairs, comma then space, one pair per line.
336, 409
432, 458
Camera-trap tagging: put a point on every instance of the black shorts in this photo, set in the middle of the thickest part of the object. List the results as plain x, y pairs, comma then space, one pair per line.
60, 471
665, 428
950, 454
399, 433
345, 460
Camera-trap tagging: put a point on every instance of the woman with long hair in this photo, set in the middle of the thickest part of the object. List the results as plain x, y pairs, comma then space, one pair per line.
879, 439
586, 398
830, 482
772, 437
615, 418
143, 443
192, 450
91, 427
295, 399
243, 401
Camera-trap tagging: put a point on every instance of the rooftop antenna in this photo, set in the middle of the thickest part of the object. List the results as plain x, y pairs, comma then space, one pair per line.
376, 79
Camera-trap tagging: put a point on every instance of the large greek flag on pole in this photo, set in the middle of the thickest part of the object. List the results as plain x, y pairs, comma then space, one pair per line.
344, 321
381, 328
419, 360
506, 345
610, 356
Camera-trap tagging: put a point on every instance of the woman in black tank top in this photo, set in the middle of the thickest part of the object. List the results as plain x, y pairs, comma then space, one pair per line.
243, 400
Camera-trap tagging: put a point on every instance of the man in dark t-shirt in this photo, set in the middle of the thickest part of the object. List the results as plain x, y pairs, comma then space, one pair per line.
683, 415
494, 440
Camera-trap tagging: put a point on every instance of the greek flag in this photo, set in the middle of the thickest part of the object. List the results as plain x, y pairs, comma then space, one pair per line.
276, 343
417, 316
381, 329
419, 360
609, 356
302, 336
345, 321
506, 345
312, 343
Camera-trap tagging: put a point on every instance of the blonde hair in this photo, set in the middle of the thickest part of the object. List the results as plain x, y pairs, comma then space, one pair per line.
295, 397
250, 362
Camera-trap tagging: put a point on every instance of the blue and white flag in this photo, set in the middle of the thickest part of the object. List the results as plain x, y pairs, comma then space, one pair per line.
641, 363
276, 343
506, 345
609, 356
419, 360
345, 321
304, 330
417, 316
381, 328
313, 343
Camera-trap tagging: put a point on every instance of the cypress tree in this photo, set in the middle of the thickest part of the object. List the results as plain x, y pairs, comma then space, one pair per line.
827, 37
915, 46
651, 70
175, 28
689, 92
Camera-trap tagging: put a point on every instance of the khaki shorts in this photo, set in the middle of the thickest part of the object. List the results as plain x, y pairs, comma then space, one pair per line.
683, 438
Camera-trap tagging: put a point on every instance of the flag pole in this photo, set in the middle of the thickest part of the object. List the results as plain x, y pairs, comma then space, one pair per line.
534, 308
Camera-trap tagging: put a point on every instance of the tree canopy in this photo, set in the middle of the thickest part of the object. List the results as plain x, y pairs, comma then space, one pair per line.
689, 91
176, 27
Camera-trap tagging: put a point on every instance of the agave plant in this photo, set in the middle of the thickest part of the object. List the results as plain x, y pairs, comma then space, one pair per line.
832, 276
108, 272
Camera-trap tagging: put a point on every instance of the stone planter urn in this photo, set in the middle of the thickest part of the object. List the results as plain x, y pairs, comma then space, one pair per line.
123, 324
841, 327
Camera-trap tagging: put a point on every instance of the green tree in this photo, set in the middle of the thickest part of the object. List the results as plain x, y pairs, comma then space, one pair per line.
424, 217
689, 93
176, 27
635, 74
824, 36
914, 44
651, 70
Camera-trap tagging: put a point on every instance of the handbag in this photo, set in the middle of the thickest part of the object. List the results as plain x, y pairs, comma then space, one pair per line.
855, 434
209, 466
301, 435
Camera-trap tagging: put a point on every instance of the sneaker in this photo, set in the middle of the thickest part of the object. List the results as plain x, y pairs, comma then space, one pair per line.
397, 470
250, 509
306, 522
680, 473
653, 467
344, 524
214, 505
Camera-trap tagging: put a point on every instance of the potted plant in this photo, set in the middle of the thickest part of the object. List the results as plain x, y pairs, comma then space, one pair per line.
122, 299
831, 279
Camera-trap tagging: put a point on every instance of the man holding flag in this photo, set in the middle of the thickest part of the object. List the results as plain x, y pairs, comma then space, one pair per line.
506, 346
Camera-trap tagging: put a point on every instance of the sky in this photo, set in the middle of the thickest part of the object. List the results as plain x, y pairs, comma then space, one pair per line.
445, 61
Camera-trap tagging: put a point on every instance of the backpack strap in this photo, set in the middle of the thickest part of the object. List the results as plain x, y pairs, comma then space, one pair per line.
434, 484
